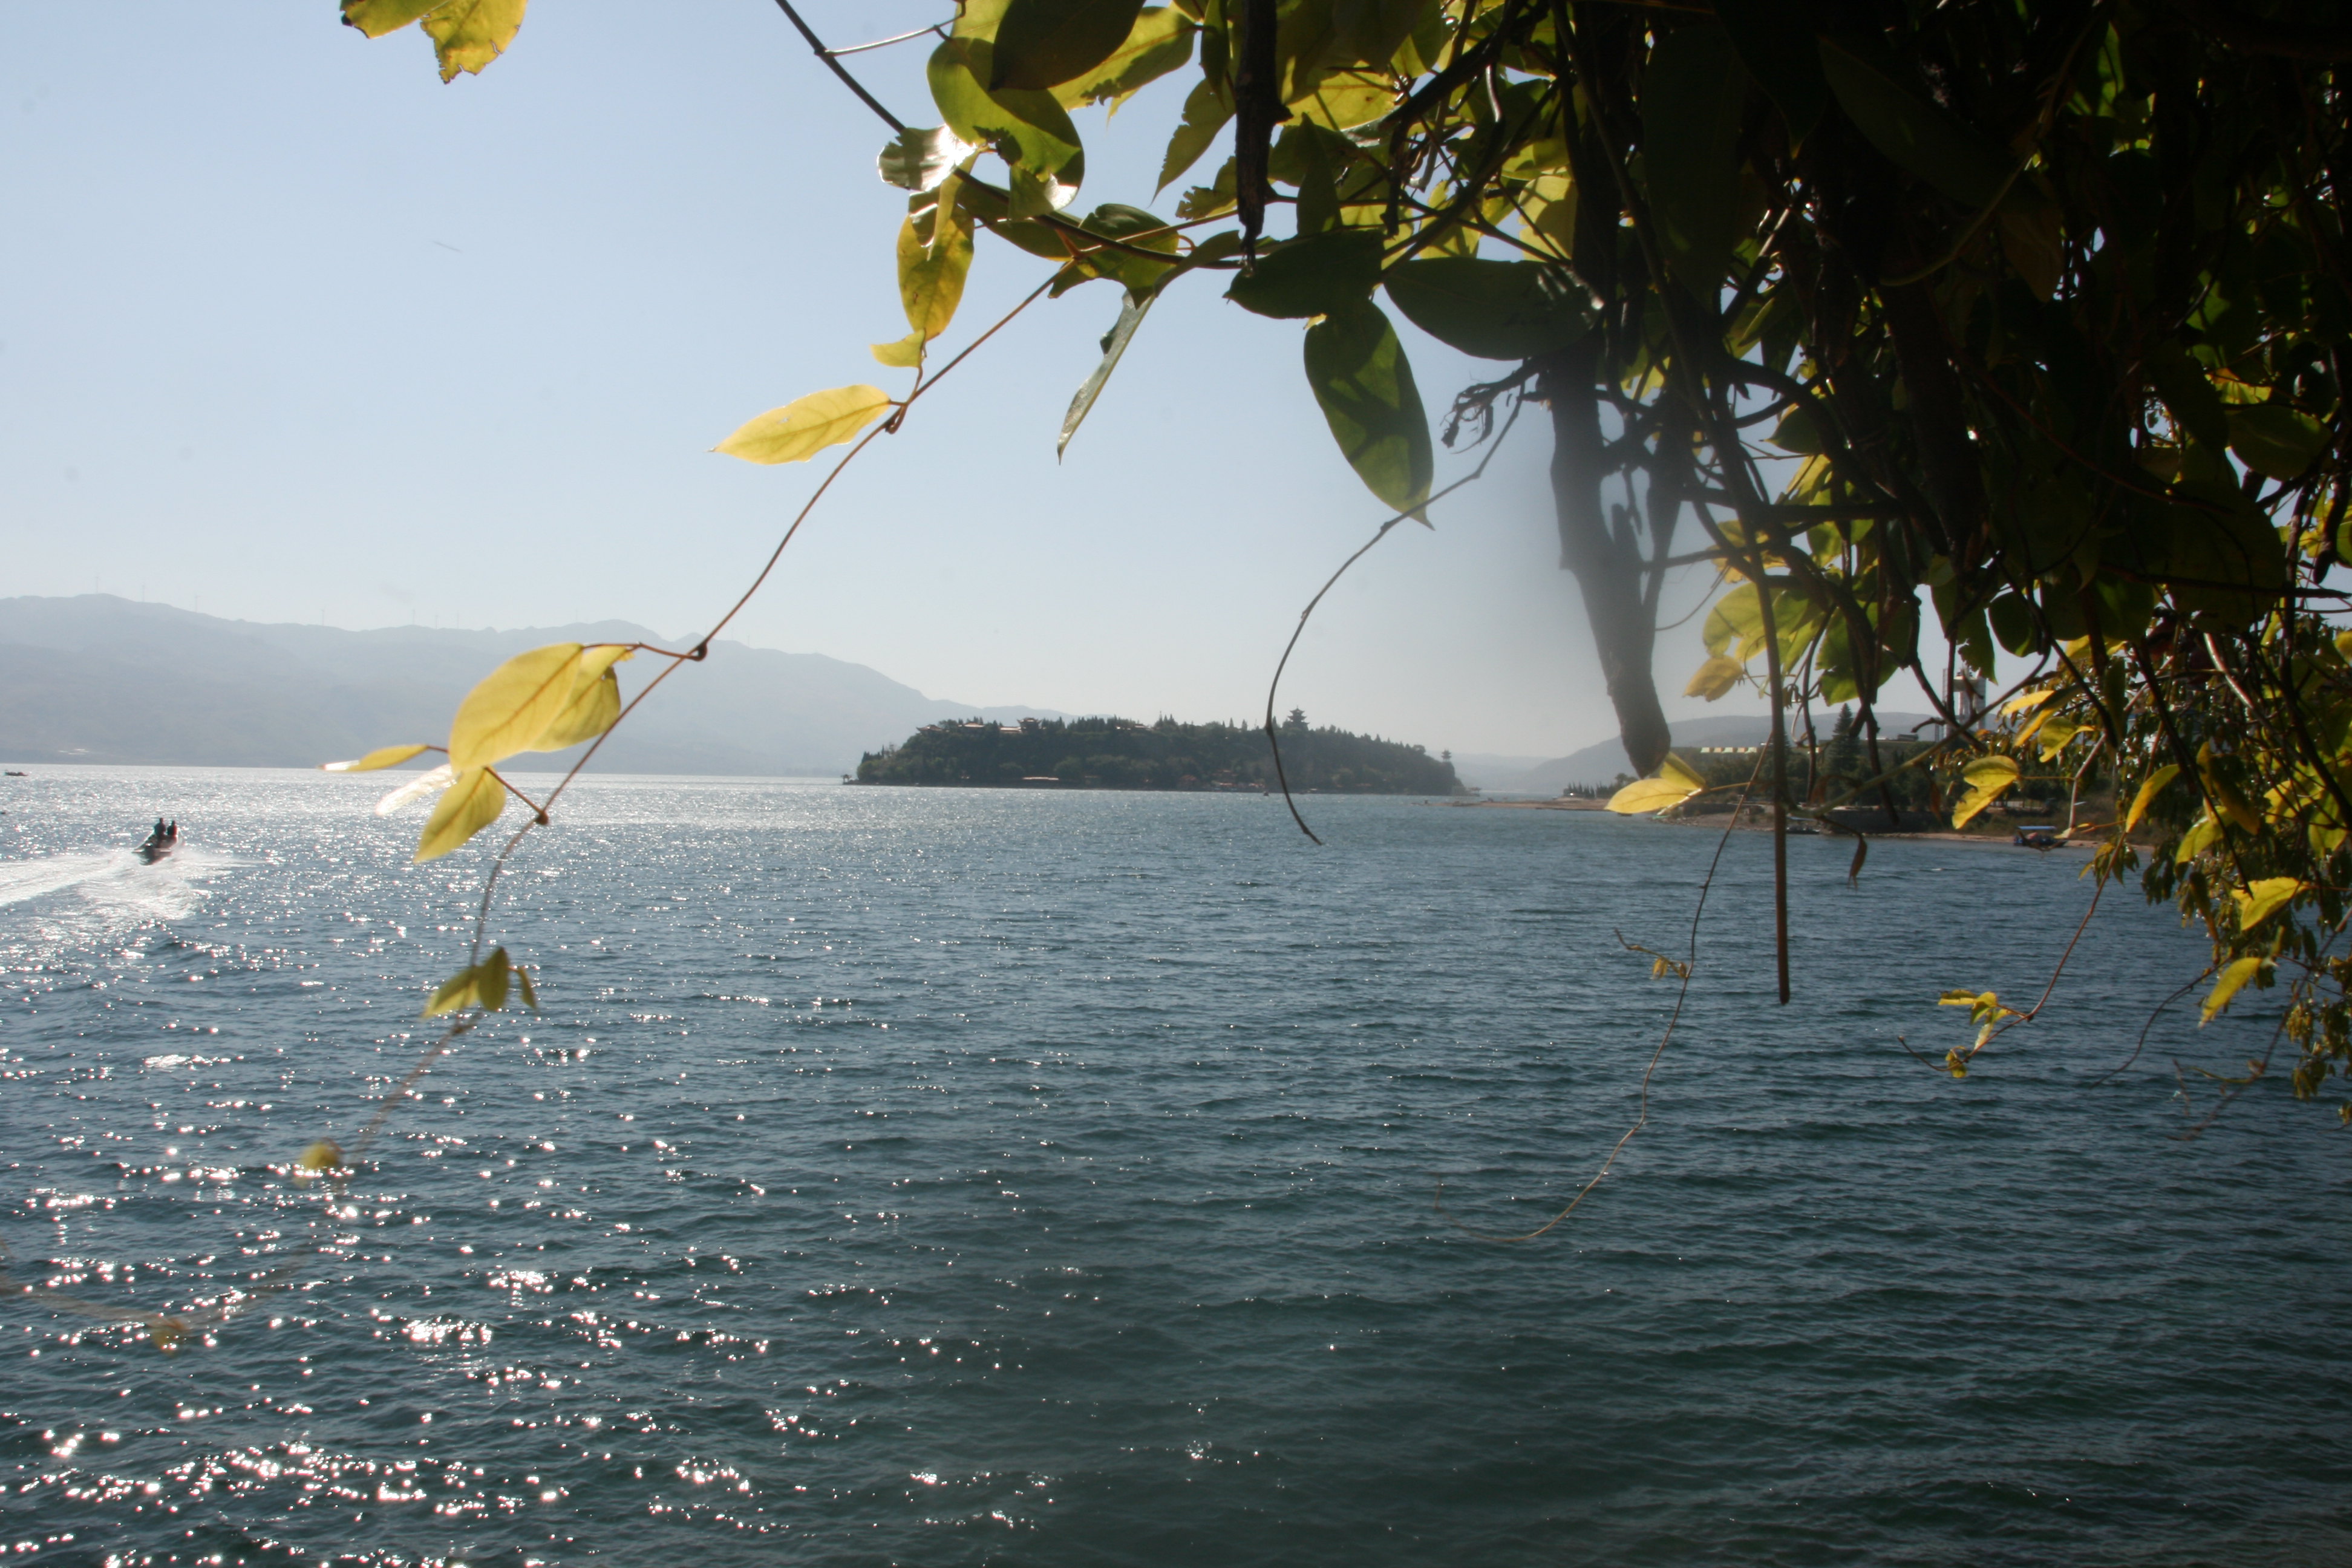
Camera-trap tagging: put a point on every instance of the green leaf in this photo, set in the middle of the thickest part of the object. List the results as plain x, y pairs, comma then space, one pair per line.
1313, 275
2195, 406
1715, 676
1911, 129
1206, 111
1370, 32
2235, 978
512, 706
1160, 42
1114, 344
920, 160
382, 757
529, 993
1495, 309
1364, 381
1775, 40
1029, 130
1691, 99
806, 426
1133, 226
2012, 619
1044, 43
470, 804
2274, 440
1737, 618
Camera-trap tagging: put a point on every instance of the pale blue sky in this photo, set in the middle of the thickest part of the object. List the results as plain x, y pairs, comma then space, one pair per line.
295, 331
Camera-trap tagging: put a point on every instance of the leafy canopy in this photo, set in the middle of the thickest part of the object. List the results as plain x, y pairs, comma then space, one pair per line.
2031, 318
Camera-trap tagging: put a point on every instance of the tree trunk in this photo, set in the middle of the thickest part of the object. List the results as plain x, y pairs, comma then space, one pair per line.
1607, 561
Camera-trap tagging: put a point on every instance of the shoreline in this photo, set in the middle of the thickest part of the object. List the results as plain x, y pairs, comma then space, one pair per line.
1932, 835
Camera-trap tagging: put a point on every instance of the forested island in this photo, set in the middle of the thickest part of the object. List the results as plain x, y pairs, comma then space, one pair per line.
1120, 753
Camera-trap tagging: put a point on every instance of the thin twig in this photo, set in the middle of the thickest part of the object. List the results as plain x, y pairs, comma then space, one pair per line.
1282, 664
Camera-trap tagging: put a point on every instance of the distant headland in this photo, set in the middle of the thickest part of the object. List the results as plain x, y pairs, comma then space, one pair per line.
1120, 753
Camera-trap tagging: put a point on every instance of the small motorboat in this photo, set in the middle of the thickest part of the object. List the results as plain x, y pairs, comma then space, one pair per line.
161, 842
2036, 835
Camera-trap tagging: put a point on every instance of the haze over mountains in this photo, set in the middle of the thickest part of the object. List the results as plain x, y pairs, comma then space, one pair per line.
97, 678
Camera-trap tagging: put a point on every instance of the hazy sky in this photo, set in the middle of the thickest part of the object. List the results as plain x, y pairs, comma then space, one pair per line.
294, 331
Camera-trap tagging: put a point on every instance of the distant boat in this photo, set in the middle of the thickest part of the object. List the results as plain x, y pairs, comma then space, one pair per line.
160, 843
2035, 836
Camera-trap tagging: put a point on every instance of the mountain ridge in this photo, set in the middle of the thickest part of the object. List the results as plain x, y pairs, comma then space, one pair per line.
98, 678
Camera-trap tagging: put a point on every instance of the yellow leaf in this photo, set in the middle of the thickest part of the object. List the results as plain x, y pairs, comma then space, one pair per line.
1675, 784
469, 34
2231, 806
323, 1155
2026, 701
2344, 642
595, 705
934, 258
905, 354
382, 757
1984, 1007
2197, 840
482, 985
2257, 901
805, 427
2055, 734
473, 803
377, 17
459, 991
1996, 772
1971, 805
490, 978
1715, 676
2149, 790
513, 706
2233, 980
167, 1332
423, 785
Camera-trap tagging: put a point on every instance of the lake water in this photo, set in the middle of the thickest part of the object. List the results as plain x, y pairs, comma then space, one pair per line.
957, 1177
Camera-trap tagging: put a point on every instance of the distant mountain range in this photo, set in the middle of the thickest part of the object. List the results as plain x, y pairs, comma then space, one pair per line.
97, 678
1600, 763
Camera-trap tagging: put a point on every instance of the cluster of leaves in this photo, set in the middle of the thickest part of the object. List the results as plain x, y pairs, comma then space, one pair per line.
2030, 317
548, 700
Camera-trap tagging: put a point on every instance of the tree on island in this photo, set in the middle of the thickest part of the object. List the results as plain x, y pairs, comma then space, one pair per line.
2033, 320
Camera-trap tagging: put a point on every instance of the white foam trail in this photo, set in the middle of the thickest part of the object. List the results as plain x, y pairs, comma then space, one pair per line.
23, 879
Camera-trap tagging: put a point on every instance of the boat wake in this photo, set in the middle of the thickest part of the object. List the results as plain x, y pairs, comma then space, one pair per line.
111, 884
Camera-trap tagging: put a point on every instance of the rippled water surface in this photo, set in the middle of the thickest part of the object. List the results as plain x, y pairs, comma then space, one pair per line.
945, 1177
